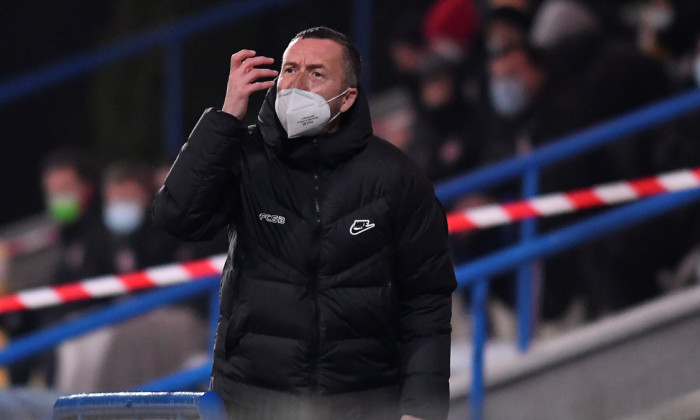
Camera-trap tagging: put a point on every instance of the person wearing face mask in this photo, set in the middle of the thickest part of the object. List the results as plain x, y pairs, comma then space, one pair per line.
129, 243
336, 295
134, 243
538, 96
68, 186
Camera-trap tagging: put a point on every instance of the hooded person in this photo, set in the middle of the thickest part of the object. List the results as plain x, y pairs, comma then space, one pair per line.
336, 294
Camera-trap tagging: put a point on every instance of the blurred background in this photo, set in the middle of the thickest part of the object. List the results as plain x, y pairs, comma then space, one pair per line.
117, 111
107, 90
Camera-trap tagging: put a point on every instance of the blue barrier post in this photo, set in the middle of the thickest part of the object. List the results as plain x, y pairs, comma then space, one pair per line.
480, 332
140, 405
526, 273
472, 274
45, 339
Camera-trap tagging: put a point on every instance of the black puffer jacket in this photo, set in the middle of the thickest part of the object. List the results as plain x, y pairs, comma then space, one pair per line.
338, 278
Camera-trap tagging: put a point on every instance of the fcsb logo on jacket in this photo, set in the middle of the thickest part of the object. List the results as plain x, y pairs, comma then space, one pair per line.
272, 218
359, 226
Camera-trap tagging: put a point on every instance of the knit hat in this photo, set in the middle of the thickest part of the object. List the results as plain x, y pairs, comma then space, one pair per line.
456, 20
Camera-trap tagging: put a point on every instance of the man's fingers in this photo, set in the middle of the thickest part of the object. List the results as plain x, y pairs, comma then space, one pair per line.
238, 58
254, 87
248, 60
251, 64
258, 61
256, 74
242, 80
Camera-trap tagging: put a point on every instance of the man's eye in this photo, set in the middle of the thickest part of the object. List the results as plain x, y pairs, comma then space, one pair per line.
317, 74
288, 70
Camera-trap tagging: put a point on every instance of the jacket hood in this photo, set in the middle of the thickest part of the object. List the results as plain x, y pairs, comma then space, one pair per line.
331, 149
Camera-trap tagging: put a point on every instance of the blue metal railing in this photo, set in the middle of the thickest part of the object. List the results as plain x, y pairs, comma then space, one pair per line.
84, 63
569, 146
50, 337
140, 405
477, 274
564, 148
171, 38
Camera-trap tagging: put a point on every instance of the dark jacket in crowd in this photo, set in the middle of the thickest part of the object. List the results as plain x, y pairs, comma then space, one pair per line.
339, 280
611, 79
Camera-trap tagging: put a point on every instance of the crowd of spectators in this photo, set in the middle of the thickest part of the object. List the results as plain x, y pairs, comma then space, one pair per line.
491, 80
484, 81
102, 219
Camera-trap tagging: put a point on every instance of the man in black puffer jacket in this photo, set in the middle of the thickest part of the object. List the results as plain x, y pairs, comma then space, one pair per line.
335, 298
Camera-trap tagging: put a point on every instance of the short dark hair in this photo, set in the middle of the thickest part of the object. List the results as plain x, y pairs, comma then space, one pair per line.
128, 171
352, 62
511, 16
70, 157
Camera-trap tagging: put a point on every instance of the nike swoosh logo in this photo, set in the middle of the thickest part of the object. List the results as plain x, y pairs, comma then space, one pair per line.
360, 226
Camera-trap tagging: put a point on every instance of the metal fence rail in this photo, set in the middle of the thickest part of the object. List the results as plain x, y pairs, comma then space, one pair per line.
477, 274
570, 146
140, 405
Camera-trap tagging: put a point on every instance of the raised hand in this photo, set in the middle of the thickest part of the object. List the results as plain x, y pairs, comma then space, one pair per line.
243, 81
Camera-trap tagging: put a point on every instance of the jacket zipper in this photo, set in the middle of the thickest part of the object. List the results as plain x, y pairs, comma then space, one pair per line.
316, 340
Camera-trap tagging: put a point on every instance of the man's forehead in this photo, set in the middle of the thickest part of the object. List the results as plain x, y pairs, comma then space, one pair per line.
313, 51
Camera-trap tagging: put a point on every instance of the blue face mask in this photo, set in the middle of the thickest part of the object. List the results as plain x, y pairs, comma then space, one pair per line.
123, 217
508, 95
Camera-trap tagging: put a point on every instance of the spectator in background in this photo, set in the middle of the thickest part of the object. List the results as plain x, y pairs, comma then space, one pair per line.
446, 135
557, 20
505, 27
530, 107
452, 32
431, 52
407, 50
538, 96
451, 28
106, 360
665, 29
681, 150
69, 184
128, 190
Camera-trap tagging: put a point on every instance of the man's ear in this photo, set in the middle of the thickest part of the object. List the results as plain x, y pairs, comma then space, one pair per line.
348, 99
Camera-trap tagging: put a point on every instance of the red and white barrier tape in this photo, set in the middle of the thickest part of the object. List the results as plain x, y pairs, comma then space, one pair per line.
475, 218
568, 202
112, 285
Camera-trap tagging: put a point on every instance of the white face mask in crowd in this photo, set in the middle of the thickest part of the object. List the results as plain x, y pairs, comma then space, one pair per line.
659, 18
508, 95
123, 217
303, 113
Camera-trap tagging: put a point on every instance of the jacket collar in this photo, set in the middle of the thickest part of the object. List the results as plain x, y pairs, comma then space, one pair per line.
329, 150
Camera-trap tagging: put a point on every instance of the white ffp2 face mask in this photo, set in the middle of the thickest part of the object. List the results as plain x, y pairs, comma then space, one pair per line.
303, 113
123, 217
